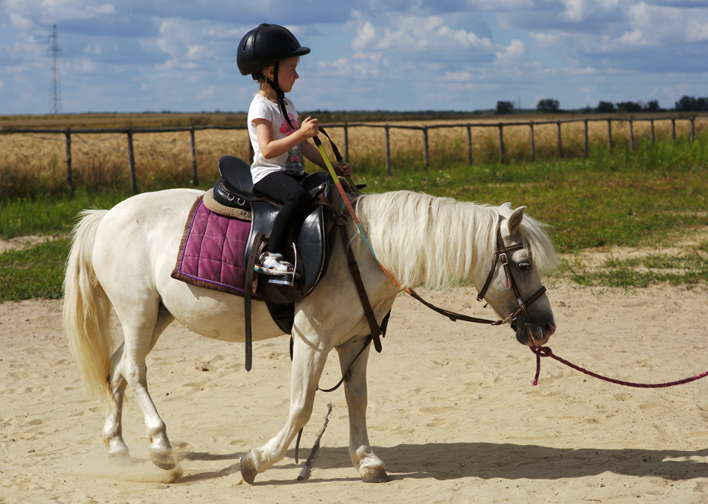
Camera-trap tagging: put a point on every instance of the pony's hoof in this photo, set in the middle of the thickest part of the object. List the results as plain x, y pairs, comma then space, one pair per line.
162, 458
119, 456
374, 475
248, 469
118, 453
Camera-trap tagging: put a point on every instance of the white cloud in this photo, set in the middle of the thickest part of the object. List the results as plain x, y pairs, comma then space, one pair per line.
545, 40
583, 71
662, 24
513, 53
366, 36
208, 93
500, 5
28, 14
414, 34
359, 64
82, 65
94, 48
574, 10
393, 53
458, 76
632, 38
577, 11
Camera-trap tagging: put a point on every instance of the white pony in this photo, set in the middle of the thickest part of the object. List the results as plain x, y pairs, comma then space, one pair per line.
122, 258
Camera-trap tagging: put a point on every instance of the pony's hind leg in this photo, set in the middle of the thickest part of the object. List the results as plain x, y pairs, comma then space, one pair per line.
370, 467
130, 369
113, 427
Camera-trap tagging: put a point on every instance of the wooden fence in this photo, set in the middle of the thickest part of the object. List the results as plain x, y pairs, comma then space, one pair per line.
130, 132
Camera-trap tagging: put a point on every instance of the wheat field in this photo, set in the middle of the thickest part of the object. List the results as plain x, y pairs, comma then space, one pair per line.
36, 162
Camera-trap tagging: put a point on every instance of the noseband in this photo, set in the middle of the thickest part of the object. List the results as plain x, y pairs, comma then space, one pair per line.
501, 252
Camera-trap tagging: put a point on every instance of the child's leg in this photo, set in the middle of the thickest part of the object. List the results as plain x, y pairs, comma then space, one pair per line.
287, 190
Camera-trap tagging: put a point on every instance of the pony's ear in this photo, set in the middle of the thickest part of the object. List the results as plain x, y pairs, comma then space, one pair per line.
515, 219
506, 206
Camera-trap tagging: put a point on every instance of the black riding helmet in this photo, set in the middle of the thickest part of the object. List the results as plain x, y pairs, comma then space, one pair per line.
264, 46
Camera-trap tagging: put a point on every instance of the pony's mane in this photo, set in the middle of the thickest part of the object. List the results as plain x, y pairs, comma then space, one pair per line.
435, 242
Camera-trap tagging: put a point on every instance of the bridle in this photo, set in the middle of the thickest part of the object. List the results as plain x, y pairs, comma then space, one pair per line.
501, 253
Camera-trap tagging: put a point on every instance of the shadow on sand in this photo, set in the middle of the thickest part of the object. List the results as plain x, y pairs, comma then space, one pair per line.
446, 461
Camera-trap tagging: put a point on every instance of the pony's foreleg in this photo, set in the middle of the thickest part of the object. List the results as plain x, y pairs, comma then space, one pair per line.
307, 366
370, 467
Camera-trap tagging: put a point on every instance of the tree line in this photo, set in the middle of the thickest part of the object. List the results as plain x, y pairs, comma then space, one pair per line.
551, 106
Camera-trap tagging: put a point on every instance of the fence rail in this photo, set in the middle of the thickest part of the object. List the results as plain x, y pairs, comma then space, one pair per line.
130, 132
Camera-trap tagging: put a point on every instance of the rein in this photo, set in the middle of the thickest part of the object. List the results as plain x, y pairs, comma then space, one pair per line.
542, 351
500, 253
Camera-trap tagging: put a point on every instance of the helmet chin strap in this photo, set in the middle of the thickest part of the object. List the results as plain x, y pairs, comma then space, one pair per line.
279, 93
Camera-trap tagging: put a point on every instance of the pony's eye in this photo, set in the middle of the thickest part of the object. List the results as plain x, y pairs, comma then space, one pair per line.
525, 265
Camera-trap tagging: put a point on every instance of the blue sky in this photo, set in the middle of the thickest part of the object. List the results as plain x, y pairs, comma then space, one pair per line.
155, 55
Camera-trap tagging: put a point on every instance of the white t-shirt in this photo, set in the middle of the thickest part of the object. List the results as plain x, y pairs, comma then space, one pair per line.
291, 162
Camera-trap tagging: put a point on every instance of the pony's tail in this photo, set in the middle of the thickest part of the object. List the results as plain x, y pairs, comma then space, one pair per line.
86, 312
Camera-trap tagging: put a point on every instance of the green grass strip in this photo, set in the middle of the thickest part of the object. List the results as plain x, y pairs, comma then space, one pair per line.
37, 272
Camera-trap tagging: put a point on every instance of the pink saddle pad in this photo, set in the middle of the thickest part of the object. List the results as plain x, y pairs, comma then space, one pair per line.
211, 254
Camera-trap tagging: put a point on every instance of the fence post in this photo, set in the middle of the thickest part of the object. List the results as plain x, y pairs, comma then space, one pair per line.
69, 181
533, 143
631, 135
560, 144
609, 135
388, 151
346, 142
653, 137
425, 147
469, 144
586, 138
693, 129
131, 161
673, 128
195, 179
501, 141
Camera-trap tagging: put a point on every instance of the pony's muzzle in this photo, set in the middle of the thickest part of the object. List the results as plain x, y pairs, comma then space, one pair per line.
530, 334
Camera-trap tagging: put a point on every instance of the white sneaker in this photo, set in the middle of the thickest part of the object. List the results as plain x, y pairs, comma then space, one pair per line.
273, 264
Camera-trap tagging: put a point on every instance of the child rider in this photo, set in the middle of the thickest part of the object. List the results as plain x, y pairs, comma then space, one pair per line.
270, 54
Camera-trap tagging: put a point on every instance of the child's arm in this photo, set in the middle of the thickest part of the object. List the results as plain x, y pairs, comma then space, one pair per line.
313, 154
271, 148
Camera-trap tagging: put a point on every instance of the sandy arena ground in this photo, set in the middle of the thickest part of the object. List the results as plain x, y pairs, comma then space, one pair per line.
451, 410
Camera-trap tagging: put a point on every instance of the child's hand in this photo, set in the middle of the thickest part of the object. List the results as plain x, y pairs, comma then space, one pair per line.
344, 171
310, 127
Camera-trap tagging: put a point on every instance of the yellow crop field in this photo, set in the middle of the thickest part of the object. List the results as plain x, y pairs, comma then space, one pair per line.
36, 161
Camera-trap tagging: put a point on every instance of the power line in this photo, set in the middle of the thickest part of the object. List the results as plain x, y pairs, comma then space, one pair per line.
55, 106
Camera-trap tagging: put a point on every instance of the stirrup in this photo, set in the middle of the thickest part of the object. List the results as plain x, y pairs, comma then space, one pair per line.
289, 277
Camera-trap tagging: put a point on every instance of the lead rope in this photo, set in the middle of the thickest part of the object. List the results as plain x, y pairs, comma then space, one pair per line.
542, 351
